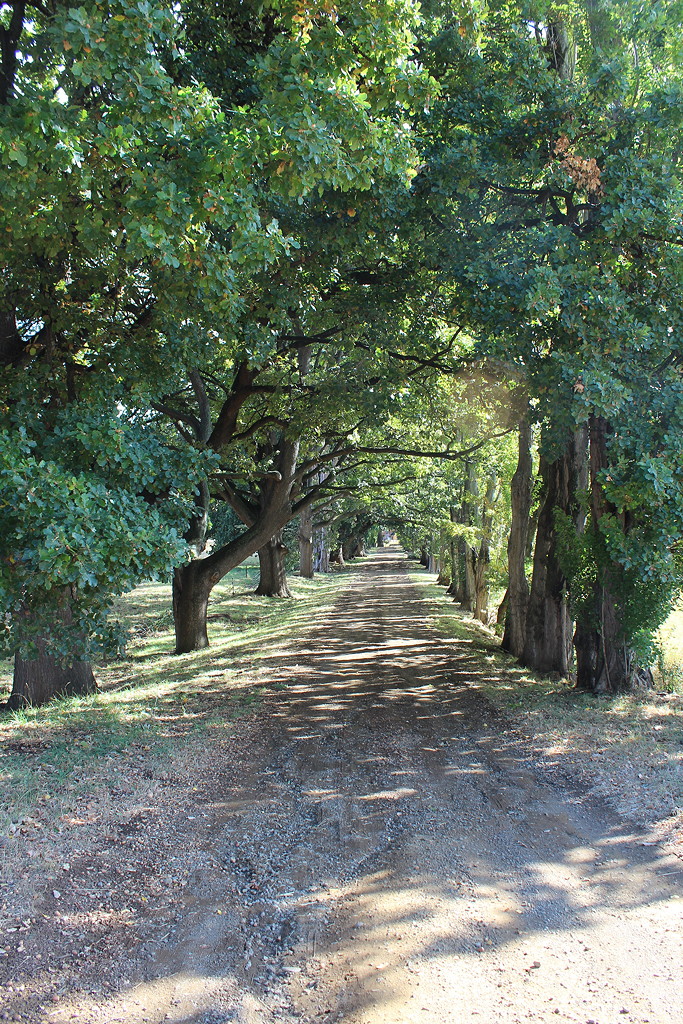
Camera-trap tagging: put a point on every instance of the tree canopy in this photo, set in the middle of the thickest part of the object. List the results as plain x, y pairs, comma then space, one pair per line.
287, 255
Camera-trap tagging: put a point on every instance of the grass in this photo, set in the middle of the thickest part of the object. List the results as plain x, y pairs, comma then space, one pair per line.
669, 668
627, 747
54, 758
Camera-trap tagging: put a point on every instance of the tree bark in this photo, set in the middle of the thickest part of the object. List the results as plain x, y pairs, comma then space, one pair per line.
481, 558
605, 662
39, 680
518, 588
273, 580
42, 678
306, 544
321, 557
192, 586
193, 582
548, 626
467, 554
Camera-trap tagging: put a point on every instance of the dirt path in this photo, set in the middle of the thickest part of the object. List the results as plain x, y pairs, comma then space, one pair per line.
381, 848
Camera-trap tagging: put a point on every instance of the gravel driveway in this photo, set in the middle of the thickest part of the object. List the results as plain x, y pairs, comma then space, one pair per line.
378, 846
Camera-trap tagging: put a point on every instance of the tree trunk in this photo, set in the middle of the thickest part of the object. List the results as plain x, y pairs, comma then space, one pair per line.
453, 586
467, 554
468, 590
273, 581
442, 579
337, 556
42, 678
39, 680
501, 614
380, 538
548, 626
192, 586
482, 558
321, 556
306, 544
518, 588
605, 663
481, 590
193, 583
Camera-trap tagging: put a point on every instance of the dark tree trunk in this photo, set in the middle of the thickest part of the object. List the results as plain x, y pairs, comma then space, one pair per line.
531, 531
193, 583
192, 586
548, 627
605, 663
518, 588
306, 544
273, 581
42, 678
337, 556
380, 539
501, 614
39, 680
424, 557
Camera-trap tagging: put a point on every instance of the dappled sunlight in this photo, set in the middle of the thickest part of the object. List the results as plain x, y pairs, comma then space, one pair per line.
425, 868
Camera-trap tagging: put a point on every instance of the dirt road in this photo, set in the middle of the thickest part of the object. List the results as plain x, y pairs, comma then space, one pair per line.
381, 848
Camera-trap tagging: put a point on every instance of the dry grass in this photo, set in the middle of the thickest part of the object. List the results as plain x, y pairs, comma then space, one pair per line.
57, 760
626, 748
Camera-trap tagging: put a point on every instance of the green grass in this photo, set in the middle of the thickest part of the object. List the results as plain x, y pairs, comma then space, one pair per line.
152, 700
669, 667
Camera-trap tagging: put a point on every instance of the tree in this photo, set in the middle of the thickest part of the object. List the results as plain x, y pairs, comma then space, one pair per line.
148, 218
103, 232
552, 192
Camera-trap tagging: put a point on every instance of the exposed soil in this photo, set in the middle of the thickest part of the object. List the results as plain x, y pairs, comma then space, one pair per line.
376, 846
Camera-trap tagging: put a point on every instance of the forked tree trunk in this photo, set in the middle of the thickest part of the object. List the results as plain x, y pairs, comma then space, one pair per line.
548, 627
605, 663
306, 544
41, 679
193, 582
518, 588
273, 580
